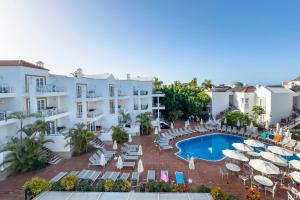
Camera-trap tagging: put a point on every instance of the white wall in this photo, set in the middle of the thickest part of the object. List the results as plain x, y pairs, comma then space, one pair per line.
219, 102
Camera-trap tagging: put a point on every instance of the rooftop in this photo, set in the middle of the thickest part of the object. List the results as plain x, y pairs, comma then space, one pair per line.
279, 89
21, 63
297, 79
98, 76
247, 89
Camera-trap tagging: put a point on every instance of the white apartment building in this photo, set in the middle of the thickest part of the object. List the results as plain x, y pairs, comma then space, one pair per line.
277, 101
95, 100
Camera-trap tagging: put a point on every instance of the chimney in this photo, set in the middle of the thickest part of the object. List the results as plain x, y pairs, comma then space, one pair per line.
39, 63
128, 76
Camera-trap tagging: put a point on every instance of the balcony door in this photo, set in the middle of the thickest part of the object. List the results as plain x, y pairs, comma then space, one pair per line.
41, 105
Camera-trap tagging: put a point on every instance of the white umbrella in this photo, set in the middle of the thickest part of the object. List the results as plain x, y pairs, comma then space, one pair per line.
251, 125
129, 138
280, 132
102, 159
264, 167
201, 122
188, 122
235, 155
172, 125
295, 176
191, 164
280, 151
140, 152
238, 123
140, 168
242, 147
115, 146
155, 131
274, 158
120, 163
225, 121
254, 143
277, 127
295, 164
185, 124
267, 126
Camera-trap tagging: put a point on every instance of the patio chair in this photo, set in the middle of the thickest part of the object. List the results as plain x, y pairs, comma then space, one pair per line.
290, 197
223, 172
271, 189
106, 175
124, 176
151, 175
164, 176
291, 144
264, 135
135, 178
58, 176
129, 164
179, 177
244, 178
126, 157
94, 176
114, 176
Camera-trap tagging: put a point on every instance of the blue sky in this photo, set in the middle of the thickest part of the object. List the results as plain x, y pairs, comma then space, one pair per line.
253, 41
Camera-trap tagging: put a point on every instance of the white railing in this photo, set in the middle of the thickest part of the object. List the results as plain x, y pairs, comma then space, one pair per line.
49, 88
5, 89
51, 112
93, 114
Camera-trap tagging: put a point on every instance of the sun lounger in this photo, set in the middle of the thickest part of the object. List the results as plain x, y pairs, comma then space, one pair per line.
59, 176
126, 157
165, 147
135, 178
106, 175
131, 146
285, 141
297, 146
179, 176
82, 174
229, 129
114, 176
129, 164
151, 175
124, 176
74, 173
223, 128
132, 153
108, 156
164, 176
94, 176
234, 130
108, 152
291, 144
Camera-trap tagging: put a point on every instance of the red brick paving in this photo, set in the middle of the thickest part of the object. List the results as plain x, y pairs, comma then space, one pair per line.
206, 172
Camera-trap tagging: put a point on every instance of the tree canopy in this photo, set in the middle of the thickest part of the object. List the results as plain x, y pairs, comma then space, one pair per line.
185, 99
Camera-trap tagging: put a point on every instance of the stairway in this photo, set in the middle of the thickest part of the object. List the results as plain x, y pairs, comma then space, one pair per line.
293, 123
54, 158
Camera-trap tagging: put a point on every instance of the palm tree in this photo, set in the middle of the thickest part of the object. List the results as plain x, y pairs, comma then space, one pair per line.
157, 84
194, 82
125, 117
207, 84
145, 123
21, 117
80, 138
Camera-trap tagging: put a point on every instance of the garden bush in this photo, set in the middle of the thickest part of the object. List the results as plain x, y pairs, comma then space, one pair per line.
121, 186
119, 135
100, 186
232, 197
203, 189
233, 117
217, 194
69, 182
57, 187
253, 194
84, 186
108, 185
35, 186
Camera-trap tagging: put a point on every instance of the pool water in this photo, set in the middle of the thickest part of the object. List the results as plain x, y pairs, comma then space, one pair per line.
209, 147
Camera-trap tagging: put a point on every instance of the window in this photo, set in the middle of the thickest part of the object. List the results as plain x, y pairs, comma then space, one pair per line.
111, 106
40, 82
246, 100
242, 100
41, 105
79, 109
111, 90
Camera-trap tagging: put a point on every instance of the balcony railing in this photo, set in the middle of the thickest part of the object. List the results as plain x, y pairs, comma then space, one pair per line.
51, 111
121, 94
144, 92
49, 88
135, 107
3, 115
144, 106
158, 105
93, 114
5, 89
135, 92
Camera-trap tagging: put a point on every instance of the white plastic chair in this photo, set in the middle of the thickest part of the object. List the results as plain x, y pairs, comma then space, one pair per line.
271, 189
290, 197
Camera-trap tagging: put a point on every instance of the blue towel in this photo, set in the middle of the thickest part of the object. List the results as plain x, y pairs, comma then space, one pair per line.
179, 178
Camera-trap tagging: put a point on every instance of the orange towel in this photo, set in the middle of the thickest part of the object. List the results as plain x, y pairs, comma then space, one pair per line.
277, 138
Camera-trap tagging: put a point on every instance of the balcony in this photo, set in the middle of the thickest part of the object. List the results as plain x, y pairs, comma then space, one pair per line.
144, 92
158, 94
122, 95
6, 91
157, 106
135, 92
90, 96
135, 107
52, 113
49, 90
5, 120
144, 106
91, 116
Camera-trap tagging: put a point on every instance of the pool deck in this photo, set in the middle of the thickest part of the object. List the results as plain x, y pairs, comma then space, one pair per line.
206, 173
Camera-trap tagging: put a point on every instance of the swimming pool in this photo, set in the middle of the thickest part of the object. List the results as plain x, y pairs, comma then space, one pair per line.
206, 147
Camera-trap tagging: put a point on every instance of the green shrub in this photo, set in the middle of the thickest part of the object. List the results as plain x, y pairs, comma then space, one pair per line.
84, 186
108, 185
232, 197
57, 187
203, 189
119, 135
69, 182
100, 186
217, 194
233, 117
35, 186
121, 186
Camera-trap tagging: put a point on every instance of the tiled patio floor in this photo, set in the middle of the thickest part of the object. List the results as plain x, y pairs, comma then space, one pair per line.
206, 172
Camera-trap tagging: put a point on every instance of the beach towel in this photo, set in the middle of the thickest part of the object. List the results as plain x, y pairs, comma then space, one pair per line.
277, 138
179, 178
264, 135
164, 176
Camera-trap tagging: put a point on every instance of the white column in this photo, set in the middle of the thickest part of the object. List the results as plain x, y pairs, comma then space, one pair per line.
116, 105
32, 95
139, 101
84, 105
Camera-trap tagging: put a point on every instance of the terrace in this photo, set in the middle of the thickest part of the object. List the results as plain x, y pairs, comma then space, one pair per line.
206, 173
6, 91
